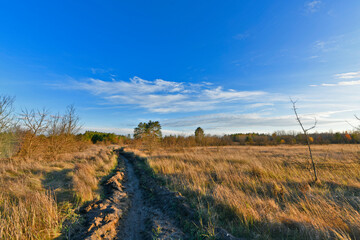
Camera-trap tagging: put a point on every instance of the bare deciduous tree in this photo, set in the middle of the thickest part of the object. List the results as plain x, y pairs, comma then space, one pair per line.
55, 131
6, 111
61, 131
7, 143
35, 122
71, 121
307, 138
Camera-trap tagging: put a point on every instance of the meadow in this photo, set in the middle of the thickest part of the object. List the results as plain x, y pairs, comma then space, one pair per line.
267, 192
39, 196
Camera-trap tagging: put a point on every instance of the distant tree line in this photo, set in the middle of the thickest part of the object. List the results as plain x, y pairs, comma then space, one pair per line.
261, 139
282, 137
276, 138
100, 137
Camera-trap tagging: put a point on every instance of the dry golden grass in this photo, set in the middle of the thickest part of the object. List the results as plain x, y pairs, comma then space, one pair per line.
266, 192
85, 177
36, 197
34, 216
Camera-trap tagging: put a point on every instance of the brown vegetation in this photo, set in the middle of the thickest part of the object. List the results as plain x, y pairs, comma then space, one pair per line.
264, 192
46, 171
39, 197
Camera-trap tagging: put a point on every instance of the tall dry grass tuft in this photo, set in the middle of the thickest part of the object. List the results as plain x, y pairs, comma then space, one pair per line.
264, 192
37, 196
35, 216
84, 182
87, 174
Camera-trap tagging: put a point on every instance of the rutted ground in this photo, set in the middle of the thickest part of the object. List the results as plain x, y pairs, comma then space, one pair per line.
125, 212
167, 214
143, 221
136, 207
133, 225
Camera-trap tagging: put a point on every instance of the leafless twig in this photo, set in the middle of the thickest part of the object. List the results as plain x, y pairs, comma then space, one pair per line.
6, 111
306, 135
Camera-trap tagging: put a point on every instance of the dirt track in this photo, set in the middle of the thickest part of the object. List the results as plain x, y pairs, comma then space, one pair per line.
143, 220
137, 207
133, 226
126, 212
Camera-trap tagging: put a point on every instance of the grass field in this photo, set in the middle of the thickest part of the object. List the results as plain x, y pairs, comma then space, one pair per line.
267, 192
38, 198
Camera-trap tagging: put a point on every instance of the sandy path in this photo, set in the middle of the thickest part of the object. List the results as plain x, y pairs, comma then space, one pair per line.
133, 226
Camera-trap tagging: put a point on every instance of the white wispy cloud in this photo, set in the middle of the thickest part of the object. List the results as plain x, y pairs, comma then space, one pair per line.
231, 94
225, 122
312, 6
261, 104
230, 120
343, 83
332, 44
221, 110
97, 86
348, 75
161, 96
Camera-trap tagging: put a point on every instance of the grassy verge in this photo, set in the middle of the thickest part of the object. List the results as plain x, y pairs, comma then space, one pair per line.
172, 203
265, 192
38, 198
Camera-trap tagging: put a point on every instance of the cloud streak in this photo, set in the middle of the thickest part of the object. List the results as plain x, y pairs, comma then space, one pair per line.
348, 75
223, 121
161, 96
221, 110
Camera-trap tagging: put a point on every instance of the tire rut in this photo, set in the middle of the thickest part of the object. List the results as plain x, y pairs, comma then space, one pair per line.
165, 212
133, 226
143, 220
136, 207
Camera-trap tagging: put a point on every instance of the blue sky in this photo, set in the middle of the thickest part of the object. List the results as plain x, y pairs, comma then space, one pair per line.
227, 66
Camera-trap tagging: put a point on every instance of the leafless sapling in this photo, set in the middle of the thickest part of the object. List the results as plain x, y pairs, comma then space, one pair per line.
306, 136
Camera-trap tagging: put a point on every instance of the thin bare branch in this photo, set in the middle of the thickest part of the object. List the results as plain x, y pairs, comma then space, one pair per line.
35, 121
315, 122
6, 112
307, 138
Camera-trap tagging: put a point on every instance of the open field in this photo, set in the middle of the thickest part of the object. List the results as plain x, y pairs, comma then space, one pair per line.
254, 192
38, 198
266, 192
